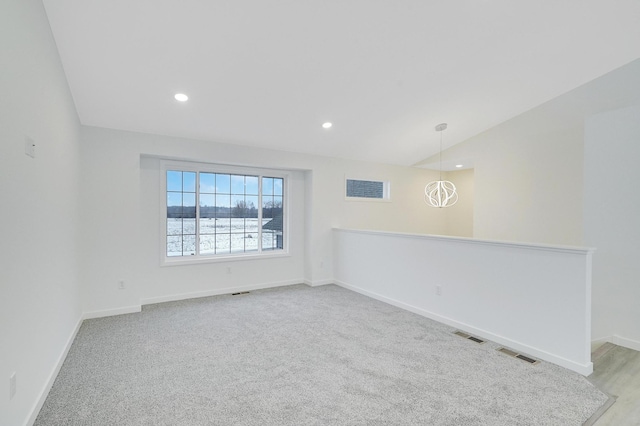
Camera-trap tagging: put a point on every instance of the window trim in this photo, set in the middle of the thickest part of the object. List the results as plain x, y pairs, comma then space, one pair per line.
386, 190
192, 166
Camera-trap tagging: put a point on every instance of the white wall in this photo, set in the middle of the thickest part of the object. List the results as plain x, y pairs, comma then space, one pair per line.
459, 217
612, 222
120, 188
527, 180
531, 298
39, 286
528, 171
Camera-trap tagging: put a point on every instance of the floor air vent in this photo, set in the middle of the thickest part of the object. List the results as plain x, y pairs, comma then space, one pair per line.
519, 356
468, 336
242, 292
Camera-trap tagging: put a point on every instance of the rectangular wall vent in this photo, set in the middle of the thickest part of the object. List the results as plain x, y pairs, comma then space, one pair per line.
468, 336
519, 356
365, 188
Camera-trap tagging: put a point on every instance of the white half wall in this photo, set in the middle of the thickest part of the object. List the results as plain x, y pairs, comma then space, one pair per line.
532, 298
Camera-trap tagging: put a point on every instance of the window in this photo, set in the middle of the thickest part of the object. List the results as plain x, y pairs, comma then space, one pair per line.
367, 189
214, 211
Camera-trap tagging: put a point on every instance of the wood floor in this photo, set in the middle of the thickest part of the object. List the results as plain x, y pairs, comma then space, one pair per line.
616, 371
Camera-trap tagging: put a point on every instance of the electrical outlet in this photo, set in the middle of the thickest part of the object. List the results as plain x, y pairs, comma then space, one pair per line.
439, 290
12, 385
121, 285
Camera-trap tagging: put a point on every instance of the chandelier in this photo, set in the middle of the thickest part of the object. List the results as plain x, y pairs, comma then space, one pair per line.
440, 193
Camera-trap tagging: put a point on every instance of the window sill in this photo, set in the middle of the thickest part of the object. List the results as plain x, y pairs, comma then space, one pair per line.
180, 261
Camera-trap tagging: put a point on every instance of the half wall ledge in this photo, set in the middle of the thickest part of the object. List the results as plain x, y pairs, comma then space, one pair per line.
533, 298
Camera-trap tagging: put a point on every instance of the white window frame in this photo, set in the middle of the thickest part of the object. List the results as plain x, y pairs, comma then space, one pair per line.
386, 190
188, 166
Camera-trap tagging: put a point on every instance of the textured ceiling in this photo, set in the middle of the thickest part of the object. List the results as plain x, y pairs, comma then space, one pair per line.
269, 73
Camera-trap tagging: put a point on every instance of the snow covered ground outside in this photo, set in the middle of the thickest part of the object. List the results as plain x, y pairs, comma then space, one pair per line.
217, 236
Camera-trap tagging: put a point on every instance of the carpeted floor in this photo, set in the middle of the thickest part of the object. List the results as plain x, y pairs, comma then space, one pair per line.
301, 356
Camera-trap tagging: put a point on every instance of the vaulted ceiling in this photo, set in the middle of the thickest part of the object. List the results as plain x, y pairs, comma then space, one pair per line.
385, 73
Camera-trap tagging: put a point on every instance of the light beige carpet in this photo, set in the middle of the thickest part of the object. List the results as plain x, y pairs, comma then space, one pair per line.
301, 356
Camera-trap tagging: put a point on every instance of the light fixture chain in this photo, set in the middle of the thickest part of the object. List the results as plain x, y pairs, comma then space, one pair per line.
440, 154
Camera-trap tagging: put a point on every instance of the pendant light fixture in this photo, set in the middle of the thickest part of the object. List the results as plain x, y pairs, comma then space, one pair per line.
440, 193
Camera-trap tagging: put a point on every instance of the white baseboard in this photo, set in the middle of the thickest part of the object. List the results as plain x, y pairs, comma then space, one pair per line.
584, 369
627, 343
112, 312
52, 377
217, 292
317, 283
617, 340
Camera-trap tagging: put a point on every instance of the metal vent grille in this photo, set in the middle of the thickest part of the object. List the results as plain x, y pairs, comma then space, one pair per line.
507, 352
526, 358
513, 354
468, 336
365, 189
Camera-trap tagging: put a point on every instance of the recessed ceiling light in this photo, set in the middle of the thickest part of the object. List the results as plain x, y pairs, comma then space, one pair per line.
327, 125
181, 97
459, 165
